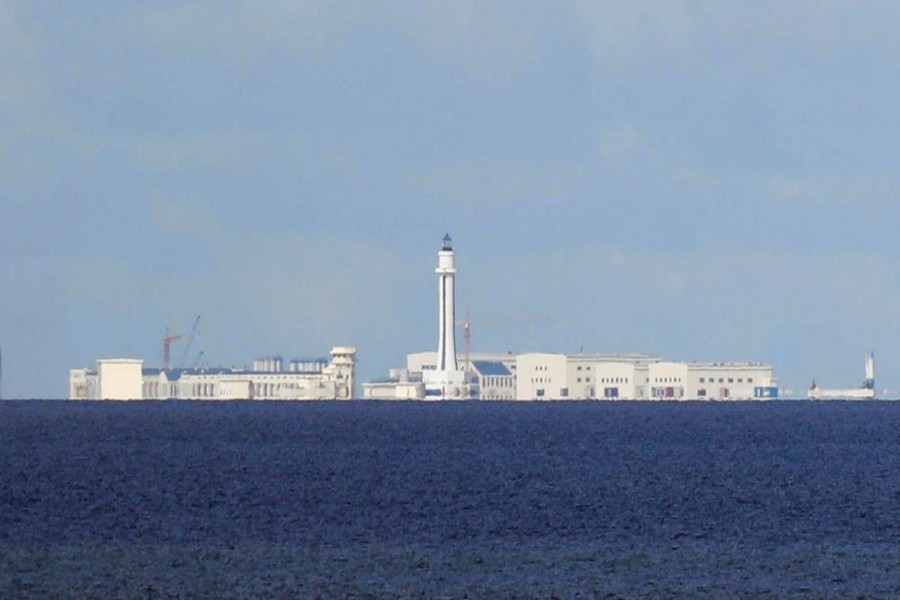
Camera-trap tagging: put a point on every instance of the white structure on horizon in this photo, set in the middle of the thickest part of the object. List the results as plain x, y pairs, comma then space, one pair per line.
447, 381
557, 376
865, 392
332, 378
543, 376
536, 376
113, 379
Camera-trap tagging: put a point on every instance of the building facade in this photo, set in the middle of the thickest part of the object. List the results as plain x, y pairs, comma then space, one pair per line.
126, 379
555, 376
544, 376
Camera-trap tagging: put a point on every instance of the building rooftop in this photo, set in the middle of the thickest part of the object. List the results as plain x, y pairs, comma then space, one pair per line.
492, 368
175, 374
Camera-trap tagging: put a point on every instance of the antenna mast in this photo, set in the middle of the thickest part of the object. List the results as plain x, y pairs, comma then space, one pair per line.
467, 336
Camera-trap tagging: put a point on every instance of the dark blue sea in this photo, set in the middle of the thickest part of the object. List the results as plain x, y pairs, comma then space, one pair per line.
449, 500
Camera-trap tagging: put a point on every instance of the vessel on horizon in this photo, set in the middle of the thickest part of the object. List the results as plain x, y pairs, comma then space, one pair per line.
865, 392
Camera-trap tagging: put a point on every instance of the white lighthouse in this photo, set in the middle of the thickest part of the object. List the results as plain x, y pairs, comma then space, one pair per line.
446, 272
447, 381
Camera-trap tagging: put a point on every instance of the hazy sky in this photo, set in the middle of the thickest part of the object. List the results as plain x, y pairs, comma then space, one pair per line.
702, 180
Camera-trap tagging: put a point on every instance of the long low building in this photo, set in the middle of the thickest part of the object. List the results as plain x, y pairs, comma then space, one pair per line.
332, 378
639, 377
556, 376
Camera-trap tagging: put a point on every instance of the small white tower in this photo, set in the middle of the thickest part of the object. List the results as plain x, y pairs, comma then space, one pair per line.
869, 382
446, 272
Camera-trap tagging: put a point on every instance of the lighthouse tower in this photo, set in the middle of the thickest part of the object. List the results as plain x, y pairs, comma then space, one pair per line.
447, 381
446, 272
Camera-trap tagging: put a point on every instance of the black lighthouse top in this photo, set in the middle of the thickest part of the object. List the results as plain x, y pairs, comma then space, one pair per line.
447, 243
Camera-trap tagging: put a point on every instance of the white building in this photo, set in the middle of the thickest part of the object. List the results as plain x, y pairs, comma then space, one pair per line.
542, 376
711, 381
113, 379
491, 376
124, 379
399, 385
556, 376
494, 379
546, 376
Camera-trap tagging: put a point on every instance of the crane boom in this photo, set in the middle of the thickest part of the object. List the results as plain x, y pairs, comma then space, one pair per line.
167, 347
190, 341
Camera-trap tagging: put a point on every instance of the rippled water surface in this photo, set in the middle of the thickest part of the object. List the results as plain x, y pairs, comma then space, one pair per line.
156, 500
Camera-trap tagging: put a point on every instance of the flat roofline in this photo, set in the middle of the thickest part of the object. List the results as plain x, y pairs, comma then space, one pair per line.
727, 365
128, 361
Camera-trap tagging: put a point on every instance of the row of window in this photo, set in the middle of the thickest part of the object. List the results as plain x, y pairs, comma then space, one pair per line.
722, 380
564, 393
496, 381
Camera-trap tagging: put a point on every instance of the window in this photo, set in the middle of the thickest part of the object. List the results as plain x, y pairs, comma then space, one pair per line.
564, 392
579, 380
749, 380
579, 367
731, 380
702, 380
587, 378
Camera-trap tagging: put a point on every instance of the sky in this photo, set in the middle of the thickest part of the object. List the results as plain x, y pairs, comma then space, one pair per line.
701, 180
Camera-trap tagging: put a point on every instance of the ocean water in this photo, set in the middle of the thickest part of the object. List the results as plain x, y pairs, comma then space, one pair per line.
453, 500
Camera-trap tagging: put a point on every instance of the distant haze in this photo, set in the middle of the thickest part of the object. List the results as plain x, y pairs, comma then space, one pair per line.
700, 180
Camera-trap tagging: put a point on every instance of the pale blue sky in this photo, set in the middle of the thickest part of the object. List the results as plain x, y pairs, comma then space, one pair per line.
702, 180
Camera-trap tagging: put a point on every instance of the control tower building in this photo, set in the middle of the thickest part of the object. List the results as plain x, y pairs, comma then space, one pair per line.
447, 381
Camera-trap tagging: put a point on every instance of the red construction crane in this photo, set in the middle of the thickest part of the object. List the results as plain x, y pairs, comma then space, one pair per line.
467, 328
167, 347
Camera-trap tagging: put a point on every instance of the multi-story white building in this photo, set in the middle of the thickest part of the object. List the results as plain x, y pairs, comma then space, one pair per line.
713, 381
113, 379
546, 376
556, 376
333, 378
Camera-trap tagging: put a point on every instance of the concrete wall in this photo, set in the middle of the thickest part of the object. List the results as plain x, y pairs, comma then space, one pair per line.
667, 380
616, 381
727, 381
119, 379
541, 376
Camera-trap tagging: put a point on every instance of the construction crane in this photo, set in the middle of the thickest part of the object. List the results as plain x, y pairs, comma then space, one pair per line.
197, 359
190, 341
167, 348
466, 324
